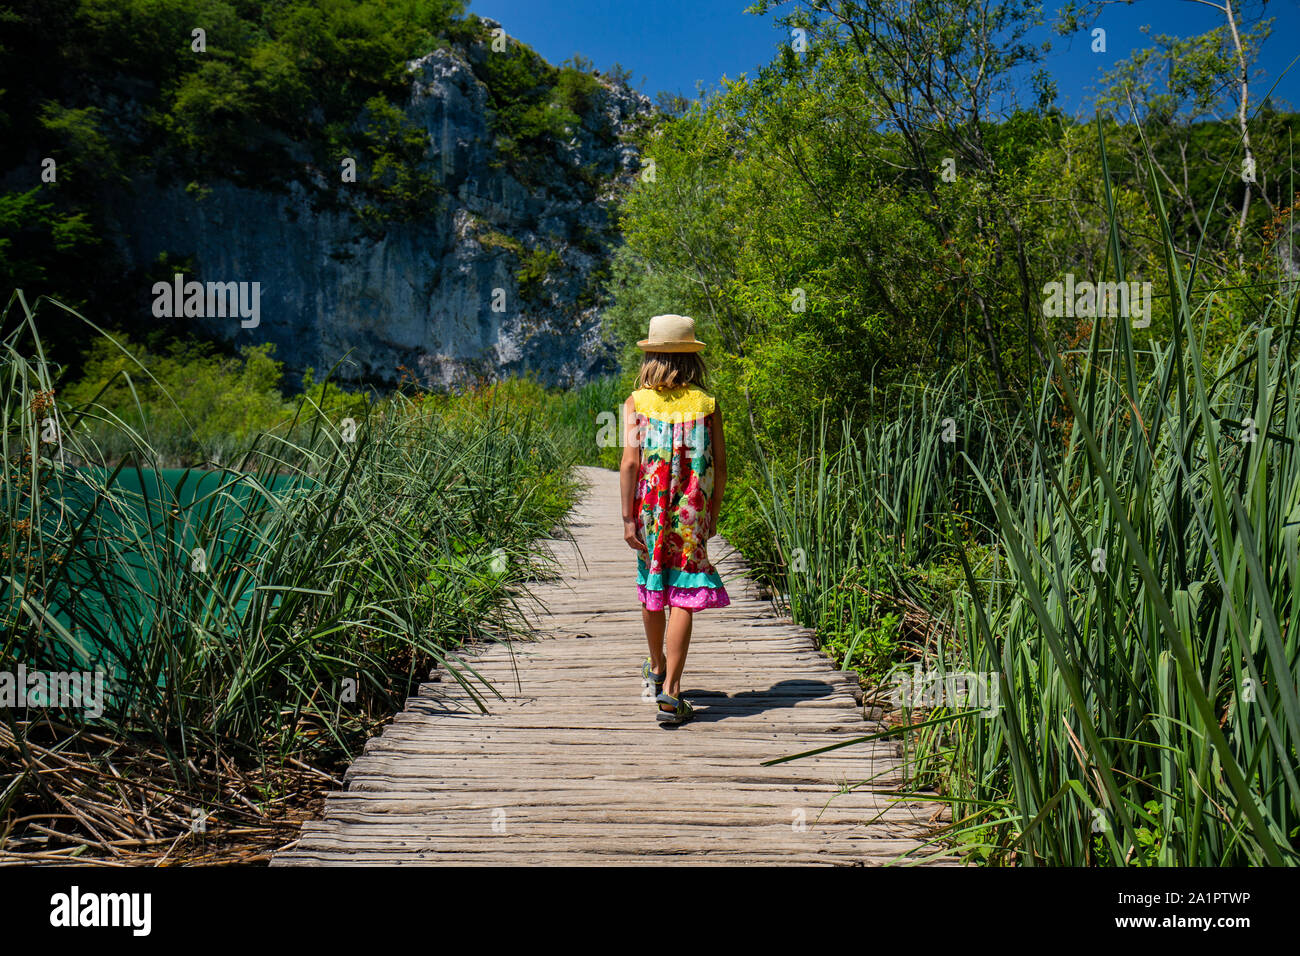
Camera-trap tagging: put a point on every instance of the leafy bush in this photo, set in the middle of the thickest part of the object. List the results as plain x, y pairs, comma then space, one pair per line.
191, 404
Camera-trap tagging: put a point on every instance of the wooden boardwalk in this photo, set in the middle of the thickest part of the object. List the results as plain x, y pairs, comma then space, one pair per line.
573, 769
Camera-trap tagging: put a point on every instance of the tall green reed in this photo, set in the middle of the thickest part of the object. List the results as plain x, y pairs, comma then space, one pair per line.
873, 491
1148, 656
281, 604
1145, 652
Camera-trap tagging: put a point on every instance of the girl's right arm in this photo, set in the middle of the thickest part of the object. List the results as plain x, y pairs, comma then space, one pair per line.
719, 466
630, 474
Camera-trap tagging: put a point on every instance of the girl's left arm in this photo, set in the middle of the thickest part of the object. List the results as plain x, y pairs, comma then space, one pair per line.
629, 473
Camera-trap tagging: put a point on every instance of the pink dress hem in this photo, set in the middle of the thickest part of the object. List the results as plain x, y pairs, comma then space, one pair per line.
692, 599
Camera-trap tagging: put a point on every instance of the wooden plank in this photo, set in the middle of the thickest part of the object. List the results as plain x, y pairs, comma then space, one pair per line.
569, 766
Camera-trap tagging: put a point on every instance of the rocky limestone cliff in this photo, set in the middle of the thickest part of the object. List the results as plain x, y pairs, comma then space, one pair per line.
417, 295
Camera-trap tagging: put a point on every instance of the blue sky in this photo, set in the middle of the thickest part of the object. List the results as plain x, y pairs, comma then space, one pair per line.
671, 44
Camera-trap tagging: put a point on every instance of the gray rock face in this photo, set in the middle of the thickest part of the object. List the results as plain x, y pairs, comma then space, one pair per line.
439, 296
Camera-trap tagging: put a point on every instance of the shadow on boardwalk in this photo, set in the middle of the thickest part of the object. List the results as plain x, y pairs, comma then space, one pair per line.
715, 705
572, 767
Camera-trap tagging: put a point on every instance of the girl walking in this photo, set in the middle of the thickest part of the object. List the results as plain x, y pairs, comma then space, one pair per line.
672, 477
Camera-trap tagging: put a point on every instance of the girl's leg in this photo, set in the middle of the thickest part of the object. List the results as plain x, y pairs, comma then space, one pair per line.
679, 641
654, 635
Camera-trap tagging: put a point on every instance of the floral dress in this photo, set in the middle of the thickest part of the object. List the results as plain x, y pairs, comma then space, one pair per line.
672, 499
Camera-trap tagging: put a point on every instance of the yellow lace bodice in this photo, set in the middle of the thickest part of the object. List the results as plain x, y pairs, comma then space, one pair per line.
684, 403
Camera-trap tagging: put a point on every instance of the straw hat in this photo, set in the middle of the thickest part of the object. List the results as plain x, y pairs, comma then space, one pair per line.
671, 333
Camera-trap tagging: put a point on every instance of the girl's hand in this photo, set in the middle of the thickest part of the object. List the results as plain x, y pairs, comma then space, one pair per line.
632, 535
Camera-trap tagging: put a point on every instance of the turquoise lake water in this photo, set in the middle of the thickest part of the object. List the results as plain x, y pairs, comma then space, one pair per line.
154, 520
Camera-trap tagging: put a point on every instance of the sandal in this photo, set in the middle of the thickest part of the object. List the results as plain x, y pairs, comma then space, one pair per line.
648, 677
682, 711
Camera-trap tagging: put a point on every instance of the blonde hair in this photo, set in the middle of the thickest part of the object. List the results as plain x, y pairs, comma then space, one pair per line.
671, 370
